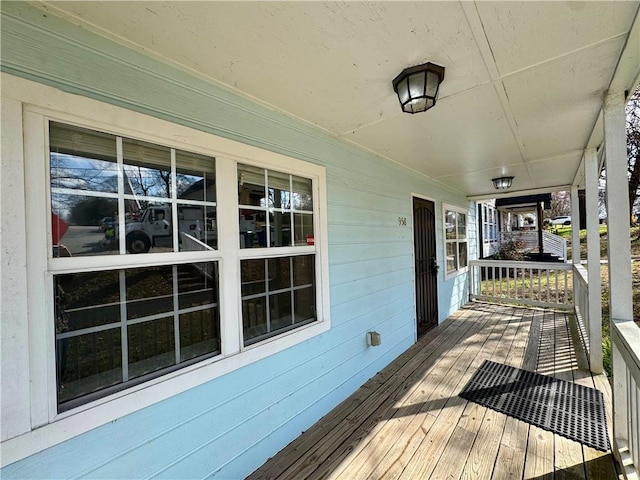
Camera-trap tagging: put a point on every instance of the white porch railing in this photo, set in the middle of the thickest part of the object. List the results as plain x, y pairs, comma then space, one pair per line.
581, 301
547, 284
625, 350
553, 244
540, 284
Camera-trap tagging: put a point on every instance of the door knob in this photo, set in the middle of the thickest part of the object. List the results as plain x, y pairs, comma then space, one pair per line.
434, 266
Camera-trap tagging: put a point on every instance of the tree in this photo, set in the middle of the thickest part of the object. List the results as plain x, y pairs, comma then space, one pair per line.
560, 204
89, 210
632, 111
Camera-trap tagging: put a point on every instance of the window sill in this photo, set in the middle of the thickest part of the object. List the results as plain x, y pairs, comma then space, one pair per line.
455, 273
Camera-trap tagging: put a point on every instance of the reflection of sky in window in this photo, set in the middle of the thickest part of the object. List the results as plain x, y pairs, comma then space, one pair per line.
70, 171
82, 173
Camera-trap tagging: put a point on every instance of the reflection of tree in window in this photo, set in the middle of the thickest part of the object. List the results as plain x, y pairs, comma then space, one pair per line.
89, 210
147, 168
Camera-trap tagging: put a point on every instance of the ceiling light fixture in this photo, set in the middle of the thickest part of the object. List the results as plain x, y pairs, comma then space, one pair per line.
417, 87
502, 183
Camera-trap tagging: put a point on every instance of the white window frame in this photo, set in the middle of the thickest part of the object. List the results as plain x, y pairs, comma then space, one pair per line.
47, 426
459, 270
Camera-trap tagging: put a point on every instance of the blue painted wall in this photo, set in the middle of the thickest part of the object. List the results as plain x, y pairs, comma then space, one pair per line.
230, 426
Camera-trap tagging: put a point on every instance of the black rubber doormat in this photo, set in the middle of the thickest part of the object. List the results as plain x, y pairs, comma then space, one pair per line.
574, 411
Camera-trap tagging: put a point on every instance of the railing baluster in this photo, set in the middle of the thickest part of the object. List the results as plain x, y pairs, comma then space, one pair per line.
515, 288
631, 393
539, 285
635, 427
521, 276
493, 280
548, 283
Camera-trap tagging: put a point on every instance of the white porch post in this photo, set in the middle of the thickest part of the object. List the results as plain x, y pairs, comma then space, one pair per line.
575, 227
619, 244
619, 252
593, 260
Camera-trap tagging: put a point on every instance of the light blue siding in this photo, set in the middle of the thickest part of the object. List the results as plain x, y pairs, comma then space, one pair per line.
230, 426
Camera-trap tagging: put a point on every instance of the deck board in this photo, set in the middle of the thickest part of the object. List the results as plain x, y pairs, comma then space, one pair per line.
407, 422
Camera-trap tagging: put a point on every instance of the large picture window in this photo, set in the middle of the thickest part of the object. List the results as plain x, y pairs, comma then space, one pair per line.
159, 258
136, 241
456, 244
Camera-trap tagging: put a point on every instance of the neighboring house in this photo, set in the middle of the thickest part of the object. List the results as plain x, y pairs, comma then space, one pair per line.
204, 359
518, 218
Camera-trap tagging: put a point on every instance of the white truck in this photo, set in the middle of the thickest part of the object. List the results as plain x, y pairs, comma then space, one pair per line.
153, 229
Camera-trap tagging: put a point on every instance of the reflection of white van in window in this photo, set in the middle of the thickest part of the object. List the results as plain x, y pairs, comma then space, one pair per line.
154, 228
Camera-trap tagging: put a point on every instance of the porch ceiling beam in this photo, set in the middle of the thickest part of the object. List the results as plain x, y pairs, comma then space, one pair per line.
480, 36
625, 79
518, 193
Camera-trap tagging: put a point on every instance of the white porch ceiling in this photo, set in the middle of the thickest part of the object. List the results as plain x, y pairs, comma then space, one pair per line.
523, 86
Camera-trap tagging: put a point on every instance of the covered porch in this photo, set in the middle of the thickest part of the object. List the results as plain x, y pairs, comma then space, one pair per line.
534, 92
408, 421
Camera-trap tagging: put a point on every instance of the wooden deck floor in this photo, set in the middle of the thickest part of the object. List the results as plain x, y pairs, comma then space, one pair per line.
408, 423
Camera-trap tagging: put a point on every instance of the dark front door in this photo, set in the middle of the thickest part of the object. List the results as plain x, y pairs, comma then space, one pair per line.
426, 268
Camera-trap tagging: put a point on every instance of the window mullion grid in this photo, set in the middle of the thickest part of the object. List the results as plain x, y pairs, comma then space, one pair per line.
176, 313
268, 207
455, 243
174, 205
176, 247
291, 284
121, 216
124, 342
292, 231
266, 295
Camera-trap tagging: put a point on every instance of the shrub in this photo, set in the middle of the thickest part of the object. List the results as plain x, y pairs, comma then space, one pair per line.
510, 249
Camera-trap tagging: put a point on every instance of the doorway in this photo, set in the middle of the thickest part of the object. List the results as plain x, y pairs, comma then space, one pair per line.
426, 267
